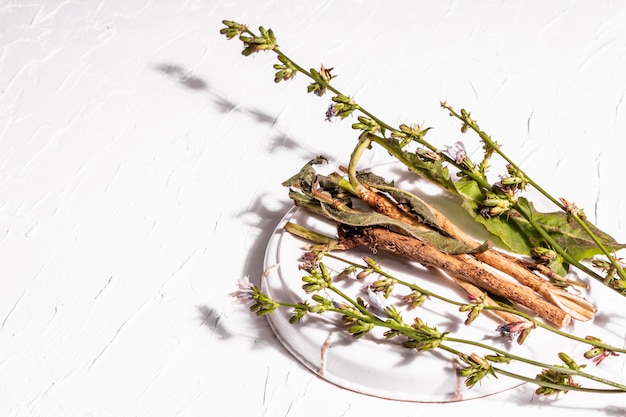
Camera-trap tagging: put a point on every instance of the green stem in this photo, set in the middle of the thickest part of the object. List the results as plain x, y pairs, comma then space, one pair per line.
470, 173
547, 327
310, 235
537, 363
358, 306
612, 260
290, 305
363, 313
553, 244
330, 87
385, 274
558, 386
412, 334
400, 156
331, 243
363, 144
487, 139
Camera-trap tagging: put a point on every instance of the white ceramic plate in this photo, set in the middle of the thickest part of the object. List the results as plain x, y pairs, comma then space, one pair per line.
380, 367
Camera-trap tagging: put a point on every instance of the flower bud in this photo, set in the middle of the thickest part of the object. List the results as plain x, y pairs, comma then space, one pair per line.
370, 262
498, 358
364, 274
593, 352
415, 299
344, 274
428, 154
340, 98
360, 329
570, 362
543, 255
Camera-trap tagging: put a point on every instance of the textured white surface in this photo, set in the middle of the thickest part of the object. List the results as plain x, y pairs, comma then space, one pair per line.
140, 165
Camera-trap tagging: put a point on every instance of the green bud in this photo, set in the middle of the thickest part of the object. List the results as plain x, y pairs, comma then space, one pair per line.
602, 264
298, 314
285, 70
340, 98
429, 345
318, 298
546, 391
385, 285
319, 308
370, 262
232, 29
263, 307
593, 352
415, 299
316, 88
472, 315
593, 339
479, 360
394, 315
498, 358
511, 180
428, 154
391, 333
346, 272
309, 288
366, 124
360, 329
364, 273
618, 284
411, 344
570, 362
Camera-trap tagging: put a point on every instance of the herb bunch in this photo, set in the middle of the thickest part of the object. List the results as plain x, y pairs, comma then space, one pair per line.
400, 223
558, 239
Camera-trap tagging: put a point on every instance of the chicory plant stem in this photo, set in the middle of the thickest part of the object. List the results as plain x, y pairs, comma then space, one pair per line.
321, 84
377, 269
358, 316
489, 142
429, 338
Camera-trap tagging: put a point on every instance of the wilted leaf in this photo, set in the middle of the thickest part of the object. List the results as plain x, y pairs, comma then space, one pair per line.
307, 175
359, 219
415, 204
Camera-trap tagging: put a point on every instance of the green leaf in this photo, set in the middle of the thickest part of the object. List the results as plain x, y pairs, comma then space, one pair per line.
513, 235
571, 236
515, 231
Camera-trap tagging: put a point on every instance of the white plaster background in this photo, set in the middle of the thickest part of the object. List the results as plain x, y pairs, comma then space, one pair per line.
140, 165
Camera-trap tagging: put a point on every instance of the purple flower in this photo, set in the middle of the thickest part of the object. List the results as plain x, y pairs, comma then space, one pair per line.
519, 329
245, 290
331, 113
377, 300
456, 152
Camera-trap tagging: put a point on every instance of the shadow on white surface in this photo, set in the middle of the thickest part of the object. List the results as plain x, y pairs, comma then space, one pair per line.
190, 81
278, 140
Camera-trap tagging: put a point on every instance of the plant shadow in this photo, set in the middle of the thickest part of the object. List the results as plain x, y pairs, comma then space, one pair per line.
194, 83
263, 215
